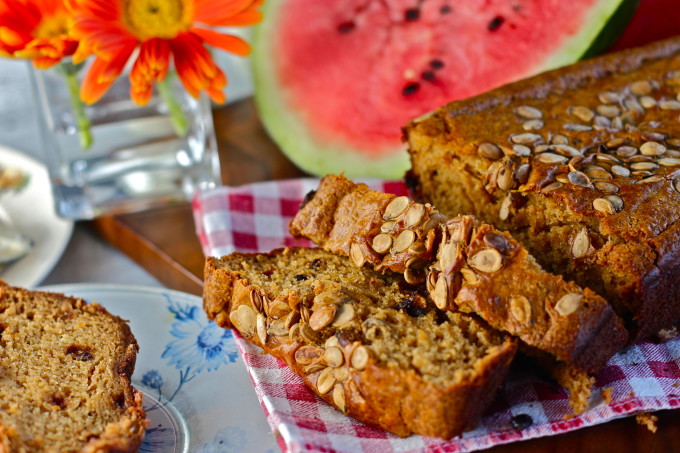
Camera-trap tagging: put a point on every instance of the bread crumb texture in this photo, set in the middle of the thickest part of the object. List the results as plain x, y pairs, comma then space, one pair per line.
64, 376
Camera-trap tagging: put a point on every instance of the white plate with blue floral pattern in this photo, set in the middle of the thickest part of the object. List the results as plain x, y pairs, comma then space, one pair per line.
197, 392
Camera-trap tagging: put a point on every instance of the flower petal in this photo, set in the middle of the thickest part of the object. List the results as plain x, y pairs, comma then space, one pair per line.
228, 12
230, 43
102, 74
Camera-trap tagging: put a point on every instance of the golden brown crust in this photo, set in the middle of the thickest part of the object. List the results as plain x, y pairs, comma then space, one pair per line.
395, 398
67, 330
600, 159
518, 297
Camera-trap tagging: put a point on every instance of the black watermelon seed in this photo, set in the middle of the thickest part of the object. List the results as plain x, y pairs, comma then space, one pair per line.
436, 64
446, 9
495, 23
346, 27
521, 421
412, 14
300, 277
428, 75
410, 88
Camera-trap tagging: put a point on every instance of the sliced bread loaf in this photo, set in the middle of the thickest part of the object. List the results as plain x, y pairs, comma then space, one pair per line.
367, 343
65, 369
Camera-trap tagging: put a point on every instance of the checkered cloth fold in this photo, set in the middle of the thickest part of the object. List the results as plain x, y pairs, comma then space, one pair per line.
254, 218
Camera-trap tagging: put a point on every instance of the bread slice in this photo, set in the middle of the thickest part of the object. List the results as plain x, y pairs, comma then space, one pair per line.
466, 265
368, 343
581, 165
65, 369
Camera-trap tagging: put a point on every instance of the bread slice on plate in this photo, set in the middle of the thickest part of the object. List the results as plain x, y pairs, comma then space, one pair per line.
367, 343
65, 369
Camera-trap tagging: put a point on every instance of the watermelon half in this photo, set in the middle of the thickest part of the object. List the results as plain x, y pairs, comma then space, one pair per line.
335, 80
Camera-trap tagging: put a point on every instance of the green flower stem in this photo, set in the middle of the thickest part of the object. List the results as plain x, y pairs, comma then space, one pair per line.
82, 121
177, 115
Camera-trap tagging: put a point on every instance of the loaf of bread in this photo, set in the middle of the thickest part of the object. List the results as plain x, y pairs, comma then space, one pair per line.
65, 369
466, 265
581, 165
368, 343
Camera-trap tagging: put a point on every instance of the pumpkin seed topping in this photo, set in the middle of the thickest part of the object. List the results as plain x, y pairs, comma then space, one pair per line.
490, 151
652, 149
578, 178
396, 207
532, 125
403, 241
339, 397
357, 254
609, 97
520, 308
581, 245
550, 158
333, 356
582, 113
525, 138
611, 204
568, 304
669, 161
641, 88
488, 260
528, 112
382, 243
414, 214
577, 127
605, 186
620, 171
648, 102
325, 381
559, 139
360, 358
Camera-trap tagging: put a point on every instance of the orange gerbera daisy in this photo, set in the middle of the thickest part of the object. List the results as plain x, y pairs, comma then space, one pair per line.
162, 30
36, 30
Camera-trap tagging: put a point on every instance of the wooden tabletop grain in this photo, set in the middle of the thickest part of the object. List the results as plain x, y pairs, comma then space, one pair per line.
163, 241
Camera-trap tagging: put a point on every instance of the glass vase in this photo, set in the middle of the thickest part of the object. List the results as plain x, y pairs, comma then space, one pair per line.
135, 157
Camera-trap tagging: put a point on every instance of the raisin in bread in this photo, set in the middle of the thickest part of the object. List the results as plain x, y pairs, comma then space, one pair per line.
581, 165
367, 343
466, 265
65, 369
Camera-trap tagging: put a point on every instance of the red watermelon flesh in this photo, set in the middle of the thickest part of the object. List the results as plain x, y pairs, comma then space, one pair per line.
355, 71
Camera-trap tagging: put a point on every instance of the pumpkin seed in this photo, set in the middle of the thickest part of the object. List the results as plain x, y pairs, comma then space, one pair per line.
520, 307
652, 149
382, 243
525, 138
489, 151
582, 113
581, 244
357, 254
568, 304
325, 381
528, 112
403, 241
396, 207
641, 88
488, 260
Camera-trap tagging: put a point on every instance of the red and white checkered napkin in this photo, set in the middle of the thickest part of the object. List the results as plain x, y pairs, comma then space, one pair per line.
254, 218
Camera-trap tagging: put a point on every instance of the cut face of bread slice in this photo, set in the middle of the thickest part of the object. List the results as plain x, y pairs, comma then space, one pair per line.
65, 369
466, 265
590, 185
368, 343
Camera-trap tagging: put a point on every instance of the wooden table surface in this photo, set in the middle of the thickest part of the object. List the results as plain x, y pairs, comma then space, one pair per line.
163, 241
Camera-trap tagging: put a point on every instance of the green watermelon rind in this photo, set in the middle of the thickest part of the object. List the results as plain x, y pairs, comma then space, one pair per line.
288, 128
